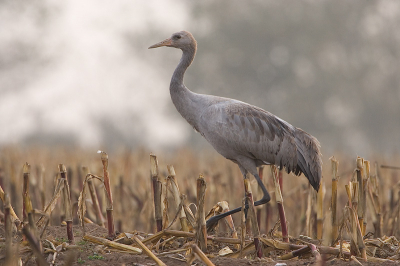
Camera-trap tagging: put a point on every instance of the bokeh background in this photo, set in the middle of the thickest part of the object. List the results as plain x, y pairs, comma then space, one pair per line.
79, 72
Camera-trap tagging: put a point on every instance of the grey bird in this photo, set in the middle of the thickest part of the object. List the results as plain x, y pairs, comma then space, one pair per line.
245, 134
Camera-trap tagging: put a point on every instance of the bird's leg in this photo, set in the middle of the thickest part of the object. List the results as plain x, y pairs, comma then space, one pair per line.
266, 198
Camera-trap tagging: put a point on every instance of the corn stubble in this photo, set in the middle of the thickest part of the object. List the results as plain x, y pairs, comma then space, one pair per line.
351, 220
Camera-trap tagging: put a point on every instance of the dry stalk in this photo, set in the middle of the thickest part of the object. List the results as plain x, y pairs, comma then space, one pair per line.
376, 202
335, 178
365, 192
8, 226
200, 255
26, 169
154, 238
372, 211
13, 216
357, 241
109, 208
95, 199
112, 244
35, 244
228, 220
320, 211
242, 226
355, 194
121, 204
67, 202
248, 249
390, 167
361, 182
276, 244
279, 202
280, 180
82, 199
259, 192
348, 193
227, 240
251, 217
177, 197
295, 253
52, 204
165, 187
157, 190
42, 186
310, 211
188, 212
201, 230
148, 251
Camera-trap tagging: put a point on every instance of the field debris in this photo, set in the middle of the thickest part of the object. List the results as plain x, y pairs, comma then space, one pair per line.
359, 226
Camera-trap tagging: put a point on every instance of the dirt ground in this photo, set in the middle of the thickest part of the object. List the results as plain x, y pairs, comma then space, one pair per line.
87, 253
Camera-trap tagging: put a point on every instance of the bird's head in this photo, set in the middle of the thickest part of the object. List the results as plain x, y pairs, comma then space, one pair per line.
182, 40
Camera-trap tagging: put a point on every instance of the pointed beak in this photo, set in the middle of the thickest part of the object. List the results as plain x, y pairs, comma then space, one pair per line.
166, 42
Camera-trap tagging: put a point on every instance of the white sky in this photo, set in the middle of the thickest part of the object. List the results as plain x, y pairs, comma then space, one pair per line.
90, 75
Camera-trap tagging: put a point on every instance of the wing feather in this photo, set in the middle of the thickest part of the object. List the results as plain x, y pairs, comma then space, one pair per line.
236, 129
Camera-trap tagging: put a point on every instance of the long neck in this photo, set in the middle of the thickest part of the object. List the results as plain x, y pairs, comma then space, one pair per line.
185, 101
186, 60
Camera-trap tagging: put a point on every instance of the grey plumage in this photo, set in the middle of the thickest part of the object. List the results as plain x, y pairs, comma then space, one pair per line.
242, 133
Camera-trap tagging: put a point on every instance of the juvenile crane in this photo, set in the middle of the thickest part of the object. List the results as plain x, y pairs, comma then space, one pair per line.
245, 134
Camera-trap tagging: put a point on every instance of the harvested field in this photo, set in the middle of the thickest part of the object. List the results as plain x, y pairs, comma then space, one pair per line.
125, 219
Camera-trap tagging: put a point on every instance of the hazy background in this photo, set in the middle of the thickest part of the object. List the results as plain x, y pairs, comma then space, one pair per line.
79, 72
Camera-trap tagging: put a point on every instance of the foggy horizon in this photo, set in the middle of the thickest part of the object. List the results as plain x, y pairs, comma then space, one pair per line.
79, 73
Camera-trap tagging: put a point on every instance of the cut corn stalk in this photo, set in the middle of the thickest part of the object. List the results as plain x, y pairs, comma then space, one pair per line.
361, 182
8, 226
42, 186
242, 226
335, 178
67, 202
365, 192
259, 192
355, 194
177, 197
165, 205
157, 190
279, 202
309, 211
109, 208
320, 211
251, 217
25, 190
374, 190
201, 230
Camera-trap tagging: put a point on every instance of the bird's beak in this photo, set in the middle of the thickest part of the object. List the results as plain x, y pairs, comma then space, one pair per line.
166, 42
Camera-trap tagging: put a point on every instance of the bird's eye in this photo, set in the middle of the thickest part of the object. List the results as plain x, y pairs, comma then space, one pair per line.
177, 37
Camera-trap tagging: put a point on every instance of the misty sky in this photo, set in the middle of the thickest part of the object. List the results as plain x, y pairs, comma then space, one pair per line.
80, 72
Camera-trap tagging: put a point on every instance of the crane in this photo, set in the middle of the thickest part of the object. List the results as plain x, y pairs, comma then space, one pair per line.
245, 134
